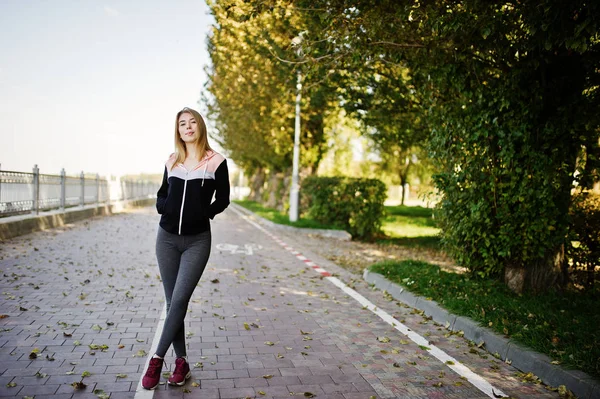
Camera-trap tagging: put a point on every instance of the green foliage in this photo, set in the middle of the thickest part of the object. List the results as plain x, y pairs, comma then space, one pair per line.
584, 240
250, 92
355, 205
506, 95
560, 326
509, 94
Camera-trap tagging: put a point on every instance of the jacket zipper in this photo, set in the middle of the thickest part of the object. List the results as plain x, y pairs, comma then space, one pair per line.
182, 202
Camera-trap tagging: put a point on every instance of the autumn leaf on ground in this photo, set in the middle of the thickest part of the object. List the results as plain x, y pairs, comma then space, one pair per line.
2, 316
11, 385
246, 326
198, 365
267, 376
79, 385
309, 395
140, 353
215, 281
269, 343
383, 339
50, 358
195, 384
96, 327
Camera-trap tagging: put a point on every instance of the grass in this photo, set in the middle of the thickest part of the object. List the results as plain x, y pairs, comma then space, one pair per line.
276, 216
410, 226
563, 326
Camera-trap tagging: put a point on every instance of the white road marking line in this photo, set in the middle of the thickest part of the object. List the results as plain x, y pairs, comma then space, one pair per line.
140, 392
478, 381
481, 383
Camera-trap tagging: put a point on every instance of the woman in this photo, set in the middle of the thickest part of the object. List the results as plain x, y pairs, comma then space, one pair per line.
192, 175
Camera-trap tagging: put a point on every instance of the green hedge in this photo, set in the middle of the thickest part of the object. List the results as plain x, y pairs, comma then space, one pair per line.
355, 205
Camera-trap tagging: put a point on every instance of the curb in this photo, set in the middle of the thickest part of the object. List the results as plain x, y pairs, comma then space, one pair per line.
337, 234
524, 359
14, 226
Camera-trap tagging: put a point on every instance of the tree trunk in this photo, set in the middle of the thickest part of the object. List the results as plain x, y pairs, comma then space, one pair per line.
257, 182
537, 277
403, 174
274, 190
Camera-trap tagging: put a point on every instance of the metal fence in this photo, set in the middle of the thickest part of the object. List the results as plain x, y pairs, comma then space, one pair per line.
22, 193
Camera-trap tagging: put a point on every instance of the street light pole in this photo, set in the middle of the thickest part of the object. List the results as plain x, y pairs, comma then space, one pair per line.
295, 188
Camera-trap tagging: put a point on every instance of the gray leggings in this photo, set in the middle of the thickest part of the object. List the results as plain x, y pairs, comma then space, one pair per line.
181, 260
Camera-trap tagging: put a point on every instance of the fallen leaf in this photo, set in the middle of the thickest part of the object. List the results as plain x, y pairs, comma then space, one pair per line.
121, 375
309, 395
383, 339
11, 385
140, 353
79, 385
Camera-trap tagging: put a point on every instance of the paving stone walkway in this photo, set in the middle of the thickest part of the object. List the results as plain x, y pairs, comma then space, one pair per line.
82, 304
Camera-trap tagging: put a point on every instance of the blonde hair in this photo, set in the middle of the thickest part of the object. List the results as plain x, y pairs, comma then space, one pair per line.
202, 146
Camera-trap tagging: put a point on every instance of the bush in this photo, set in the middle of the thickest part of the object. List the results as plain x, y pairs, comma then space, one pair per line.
355, 205
583, 250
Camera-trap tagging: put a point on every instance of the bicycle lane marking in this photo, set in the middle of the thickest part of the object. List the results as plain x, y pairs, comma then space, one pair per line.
476, 380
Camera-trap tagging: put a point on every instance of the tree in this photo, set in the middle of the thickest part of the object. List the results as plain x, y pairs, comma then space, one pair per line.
509, 91
251, 92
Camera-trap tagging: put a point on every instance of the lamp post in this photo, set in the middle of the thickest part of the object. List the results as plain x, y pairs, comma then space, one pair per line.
295, 187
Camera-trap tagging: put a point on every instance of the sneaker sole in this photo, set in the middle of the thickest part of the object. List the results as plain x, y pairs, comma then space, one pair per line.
178, 384
151, 389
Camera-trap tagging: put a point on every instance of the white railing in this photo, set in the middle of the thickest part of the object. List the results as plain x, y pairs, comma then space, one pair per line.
22, 192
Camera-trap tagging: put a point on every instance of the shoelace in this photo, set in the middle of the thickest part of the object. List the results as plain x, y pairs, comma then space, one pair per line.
154, 369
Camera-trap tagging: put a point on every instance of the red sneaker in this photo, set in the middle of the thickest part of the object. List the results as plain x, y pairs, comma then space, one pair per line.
152, 377
181, 374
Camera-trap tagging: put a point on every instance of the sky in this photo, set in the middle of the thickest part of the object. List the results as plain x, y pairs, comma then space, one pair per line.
94, 86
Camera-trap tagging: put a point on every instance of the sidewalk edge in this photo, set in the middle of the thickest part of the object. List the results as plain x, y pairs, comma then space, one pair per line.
524, 359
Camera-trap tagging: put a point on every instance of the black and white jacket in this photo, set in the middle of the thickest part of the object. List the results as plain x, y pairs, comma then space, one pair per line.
184, 198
